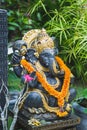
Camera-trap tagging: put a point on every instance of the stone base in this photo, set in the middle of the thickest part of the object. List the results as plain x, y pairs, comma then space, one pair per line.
48, 120
60, 124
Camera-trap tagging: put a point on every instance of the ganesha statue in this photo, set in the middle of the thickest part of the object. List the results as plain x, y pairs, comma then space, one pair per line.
45, 76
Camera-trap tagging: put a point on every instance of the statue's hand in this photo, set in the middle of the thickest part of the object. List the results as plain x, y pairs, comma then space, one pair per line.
30, 57
31, 79
33, 83
16, 58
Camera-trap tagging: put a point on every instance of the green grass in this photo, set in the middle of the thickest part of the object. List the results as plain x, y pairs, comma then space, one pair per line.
9, 121
13, 81
13, 84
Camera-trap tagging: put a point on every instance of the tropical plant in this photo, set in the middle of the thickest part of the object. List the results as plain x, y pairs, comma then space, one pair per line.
64, 19
67, 21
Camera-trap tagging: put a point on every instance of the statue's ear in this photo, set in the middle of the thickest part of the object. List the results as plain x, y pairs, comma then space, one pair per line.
53, 38
56, 51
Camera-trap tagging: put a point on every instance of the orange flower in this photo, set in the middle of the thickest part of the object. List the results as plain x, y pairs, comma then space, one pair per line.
65, 88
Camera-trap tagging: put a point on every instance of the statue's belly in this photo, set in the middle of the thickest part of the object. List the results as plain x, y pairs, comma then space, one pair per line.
34, 99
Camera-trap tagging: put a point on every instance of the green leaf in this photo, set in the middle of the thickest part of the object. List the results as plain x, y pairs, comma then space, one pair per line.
14, 24
39, 16
11, 28
85, 92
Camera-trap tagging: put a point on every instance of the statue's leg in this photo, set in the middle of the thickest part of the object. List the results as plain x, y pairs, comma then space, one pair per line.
33, 100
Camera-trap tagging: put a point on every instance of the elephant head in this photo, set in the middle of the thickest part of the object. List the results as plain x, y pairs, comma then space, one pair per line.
47, 60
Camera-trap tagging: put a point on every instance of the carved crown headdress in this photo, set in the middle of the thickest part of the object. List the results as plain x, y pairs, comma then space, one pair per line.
38, 39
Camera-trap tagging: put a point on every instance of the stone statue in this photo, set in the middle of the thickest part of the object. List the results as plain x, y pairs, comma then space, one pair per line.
45, 76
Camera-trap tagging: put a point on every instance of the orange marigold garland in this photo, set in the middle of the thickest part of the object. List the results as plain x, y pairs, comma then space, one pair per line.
59, 95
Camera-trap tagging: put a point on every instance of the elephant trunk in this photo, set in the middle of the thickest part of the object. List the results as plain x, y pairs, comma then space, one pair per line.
53, 66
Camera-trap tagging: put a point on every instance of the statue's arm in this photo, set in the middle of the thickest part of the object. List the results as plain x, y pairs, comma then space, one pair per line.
16, 64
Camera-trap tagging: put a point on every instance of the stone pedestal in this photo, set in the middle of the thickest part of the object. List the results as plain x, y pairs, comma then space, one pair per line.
69, 123
61, 124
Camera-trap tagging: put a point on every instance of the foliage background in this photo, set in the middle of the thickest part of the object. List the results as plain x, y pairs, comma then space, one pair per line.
66, 20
